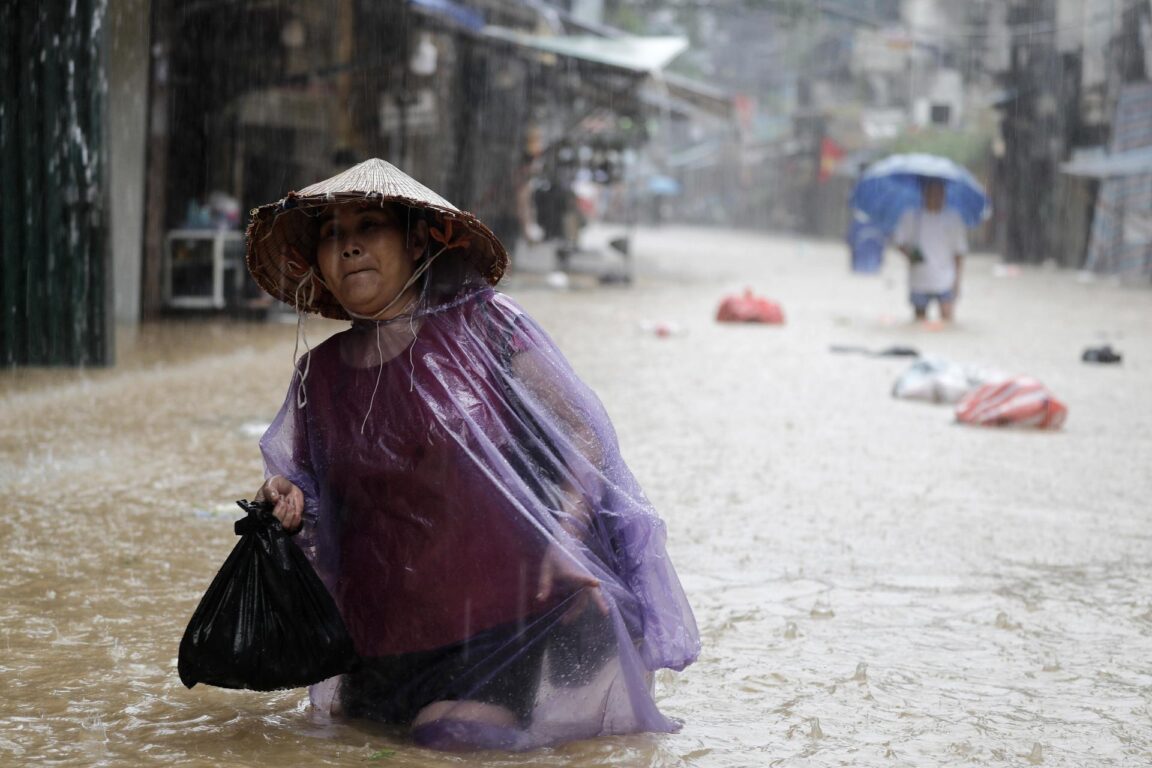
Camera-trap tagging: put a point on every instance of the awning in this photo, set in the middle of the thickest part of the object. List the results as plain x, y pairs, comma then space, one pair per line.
1098, 164
684, 95
633, 55
640, 55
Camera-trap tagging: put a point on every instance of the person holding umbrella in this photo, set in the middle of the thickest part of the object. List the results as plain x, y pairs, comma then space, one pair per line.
924, 203
933, 239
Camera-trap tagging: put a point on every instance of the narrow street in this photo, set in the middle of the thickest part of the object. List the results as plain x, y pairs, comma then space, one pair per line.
876, 585
929, 593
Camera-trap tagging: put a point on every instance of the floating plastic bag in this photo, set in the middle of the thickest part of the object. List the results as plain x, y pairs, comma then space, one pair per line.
266, 622
749, 308
935, 380
1019, 401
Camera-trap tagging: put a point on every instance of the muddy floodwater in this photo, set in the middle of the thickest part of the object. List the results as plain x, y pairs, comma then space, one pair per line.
875, 585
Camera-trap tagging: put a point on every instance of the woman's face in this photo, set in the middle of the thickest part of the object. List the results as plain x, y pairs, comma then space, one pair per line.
366, 255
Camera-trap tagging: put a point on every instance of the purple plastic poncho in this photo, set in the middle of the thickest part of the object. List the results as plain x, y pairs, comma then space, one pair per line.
447, 481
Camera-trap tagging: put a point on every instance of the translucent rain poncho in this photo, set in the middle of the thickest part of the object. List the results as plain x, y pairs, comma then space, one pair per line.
460, 481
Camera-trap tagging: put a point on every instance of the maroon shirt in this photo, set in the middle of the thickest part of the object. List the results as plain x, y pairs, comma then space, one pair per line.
431, 548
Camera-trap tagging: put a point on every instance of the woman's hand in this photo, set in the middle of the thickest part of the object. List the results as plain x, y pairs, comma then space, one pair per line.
289, 501
559, 571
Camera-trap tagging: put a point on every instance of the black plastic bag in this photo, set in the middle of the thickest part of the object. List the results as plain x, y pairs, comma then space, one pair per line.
1104, 354
266, 622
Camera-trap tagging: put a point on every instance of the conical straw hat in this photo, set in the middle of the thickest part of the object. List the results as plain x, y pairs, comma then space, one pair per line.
282, 236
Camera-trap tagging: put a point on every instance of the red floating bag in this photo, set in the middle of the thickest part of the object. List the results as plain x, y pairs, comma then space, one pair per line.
749, 308
1016, 402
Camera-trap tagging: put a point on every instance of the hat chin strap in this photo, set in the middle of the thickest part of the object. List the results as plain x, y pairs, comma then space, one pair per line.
311, 278
416, 273
308, 283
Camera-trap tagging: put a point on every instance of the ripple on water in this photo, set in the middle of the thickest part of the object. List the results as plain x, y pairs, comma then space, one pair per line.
906, 613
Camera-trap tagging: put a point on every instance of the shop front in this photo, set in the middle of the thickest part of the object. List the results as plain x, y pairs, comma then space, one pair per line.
250, 100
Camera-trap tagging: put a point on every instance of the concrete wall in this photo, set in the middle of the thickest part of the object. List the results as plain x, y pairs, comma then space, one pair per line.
127, 52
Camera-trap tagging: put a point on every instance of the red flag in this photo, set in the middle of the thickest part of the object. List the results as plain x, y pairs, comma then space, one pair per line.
830, 155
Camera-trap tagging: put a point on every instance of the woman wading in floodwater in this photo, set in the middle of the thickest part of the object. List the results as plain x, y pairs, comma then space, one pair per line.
460, 490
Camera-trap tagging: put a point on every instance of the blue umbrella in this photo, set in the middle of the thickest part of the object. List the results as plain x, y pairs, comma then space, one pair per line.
892, 185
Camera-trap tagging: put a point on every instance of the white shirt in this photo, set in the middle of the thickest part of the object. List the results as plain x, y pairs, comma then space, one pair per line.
940, 235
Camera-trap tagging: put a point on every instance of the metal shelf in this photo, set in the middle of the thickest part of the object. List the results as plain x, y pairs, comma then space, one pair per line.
196, 266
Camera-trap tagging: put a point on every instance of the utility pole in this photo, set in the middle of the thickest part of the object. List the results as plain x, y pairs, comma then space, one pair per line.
1033, 129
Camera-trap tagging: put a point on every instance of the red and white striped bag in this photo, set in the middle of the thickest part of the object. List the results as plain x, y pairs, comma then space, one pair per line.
1020, 401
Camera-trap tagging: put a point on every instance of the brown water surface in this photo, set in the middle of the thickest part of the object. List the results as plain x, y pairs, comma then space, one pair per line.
876, 586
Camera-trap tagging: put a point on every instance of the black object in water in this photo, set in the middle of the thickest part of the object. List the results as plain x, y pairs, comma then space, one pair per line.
887, 352
266, 622
1104, 354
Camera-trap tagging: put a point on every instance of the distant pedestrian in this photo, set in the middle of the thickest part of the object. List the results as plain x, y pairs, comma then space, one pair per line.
935, 241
